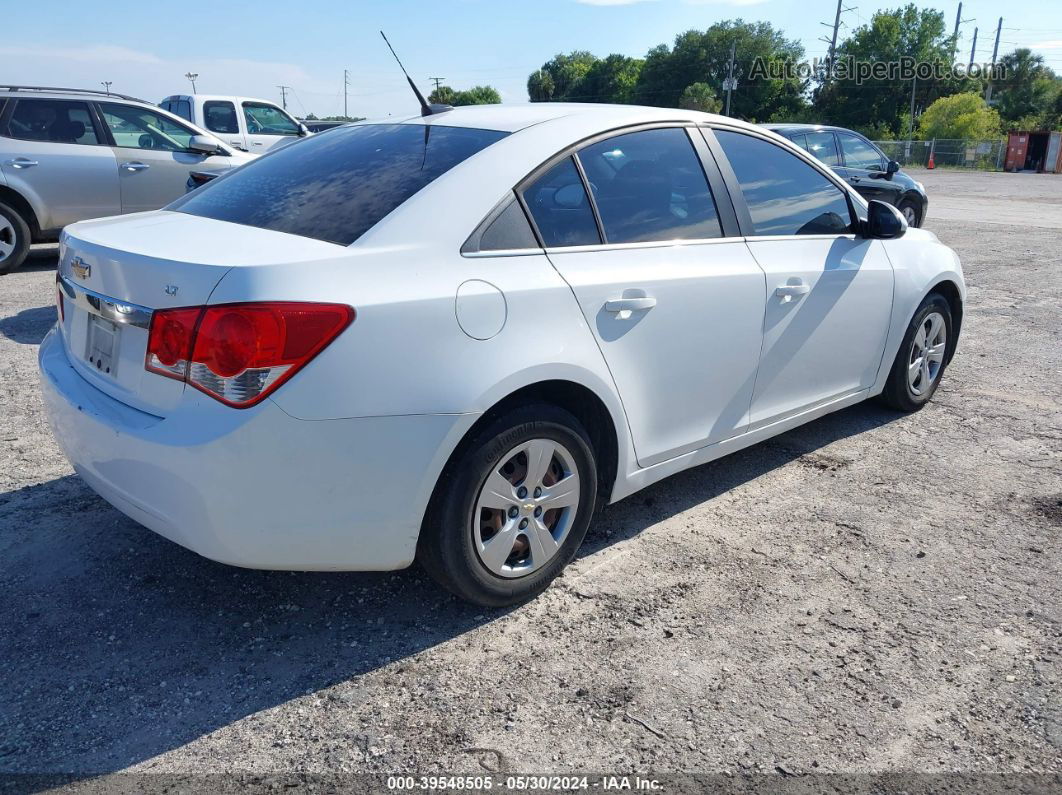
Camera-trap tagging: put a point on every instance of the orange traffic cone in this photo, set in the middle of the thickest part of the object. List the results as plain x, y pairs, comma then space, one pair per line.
931, 164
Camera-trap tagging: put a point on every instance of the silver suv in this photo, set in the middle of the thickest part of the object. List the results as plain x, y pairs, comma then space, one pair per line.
68, 154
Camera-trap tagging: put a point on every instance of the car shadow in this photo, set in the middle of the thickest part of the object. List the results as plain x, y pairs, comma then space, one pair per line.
121, 646
29, 326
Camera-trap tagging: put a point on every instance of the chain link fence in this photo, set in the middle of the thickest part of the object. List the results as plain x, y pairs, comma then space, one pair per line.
947, 152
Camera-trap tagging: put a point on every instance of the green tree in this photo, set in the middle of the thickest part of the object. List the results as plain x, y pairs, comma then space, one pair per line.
959, 116
699, 96
908, 33
443, 95
565, 73
478, 95
612, 79
703, 57
1027, 89
540, 86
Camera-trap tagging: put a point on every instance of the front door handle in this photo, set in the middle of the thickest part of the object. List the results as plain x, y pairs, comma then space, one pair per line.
135, 165
789, 292
630, 304
22, 162
853, 179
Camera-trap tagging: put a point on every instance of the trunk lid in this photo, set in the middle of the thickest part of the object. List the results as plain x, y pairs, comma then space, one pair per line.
115, 272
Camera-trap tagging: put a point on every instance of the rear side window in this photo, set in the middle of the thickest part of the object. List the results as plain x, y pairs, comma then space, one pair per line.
650, 186
53, 120
336, 187
559, 204
183, 108
785, 195
220, 117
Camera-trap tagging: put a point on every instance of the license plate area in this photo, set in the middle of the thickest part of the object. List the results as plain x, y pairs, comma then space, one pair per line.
101, 348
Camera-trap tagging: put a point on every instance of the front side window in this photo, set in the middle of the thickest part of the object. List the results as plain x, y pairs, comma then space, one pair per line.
785, 195
140, 128
559, 204
649, 186
859, 154
263, 119
822, 146
53, 120
336, 187
220, 117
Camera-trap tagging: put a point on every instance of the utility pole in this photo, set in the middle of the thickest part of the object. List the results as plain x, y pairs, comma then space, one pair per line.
910, 131
191, 78
284, 95
106, 86
973, 50
730, 82
995, 52
437, 81
955, 35
832, 41
346, 85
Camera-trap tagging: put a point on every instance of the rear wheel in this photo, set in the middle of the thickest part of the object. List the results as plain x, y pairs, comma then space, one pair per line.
14, 239
922, 357
513, 507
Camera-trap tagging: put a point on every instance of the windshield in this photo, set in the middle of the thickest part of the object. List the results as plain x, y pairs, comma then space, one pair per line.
336, 187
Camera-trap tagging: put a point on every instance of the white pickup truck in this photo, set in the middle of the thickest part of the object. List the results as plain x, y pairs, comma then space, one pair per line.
253, 125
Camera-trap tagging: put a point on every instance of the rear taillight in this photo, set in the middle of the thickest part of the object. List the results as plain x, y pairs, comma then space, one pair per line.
239, 353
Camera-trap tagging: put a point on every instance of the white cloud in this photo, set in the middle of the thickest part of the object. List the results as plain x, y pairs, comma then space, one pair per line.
1055, 44
98, 53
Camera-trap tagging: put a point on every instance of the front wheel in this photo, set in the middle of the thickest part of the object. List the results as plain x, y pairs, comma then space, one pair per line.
512, 508
909, 211
922, 357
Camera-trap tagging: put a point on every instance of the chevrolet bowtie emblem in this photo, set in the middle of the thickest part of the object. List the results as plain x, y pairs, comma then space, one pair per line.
80, 269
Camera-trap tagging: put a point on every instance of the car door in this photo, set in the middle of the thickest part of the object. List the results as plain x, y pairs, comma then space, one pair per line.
865, 168
220, 117
828, 292
671, 293
54, 155
267, 125
153, 158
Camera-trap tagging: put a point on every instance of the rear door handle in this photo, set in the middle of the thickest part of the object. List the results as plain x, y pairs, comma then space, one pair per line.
788, 292
22, 162
630, 304
135, 166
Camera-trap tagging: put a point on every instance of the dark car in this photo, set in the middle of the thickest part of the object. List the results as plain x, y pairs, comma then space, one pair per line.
866, 167
316, 126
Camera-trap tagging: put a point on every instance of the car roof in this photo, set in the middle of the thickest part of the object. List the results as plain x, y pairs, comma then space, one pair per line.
807, 128
512, 117
39, 92
220, 97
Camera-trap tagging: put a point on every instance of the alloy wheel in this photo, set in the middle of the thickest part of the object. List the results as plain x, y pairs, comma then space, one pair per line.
526, 507
927, 353
7, 238
910, 215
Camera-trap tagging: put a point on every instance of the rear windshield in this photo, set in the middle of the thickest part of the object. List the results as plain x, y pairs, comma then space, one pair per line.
335, 187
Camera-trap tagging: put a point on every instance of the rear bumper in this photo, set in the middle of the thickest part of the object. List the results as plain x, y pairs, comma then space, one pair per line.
255, 488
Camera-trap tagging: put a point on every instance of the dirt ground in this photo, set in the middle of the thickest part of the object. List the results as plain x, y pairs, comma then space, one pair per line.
869, 593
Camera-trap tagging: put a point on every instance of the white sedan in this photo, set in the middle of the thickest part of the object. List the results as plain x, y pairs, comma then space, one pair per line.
452, 338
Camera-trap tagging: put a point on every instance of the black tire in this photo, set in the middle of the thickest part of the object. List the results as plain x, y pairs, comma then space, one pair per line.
906, 205
447, 548
20, 231
898, 393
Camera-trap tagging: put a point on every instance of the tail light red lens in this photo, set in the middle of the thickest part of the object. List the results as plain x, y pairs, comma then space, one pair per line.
240, 353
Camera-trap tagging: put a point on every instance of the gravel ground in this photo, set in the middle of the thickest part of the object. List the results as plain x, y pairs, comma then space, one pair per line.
869, 593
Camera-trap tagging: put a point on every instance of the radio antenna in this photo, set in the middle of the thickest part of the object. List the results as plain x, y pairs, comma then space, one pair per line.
425, 108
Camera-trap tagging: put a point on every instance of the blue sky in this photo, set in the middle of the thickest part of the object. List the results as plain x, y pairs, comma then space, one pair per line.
251, 48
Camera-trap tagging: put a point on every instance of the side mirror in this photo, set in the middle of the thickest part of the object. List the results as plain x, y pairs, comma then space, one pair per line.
884, 222
304, 130
891, 169
204, 144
